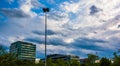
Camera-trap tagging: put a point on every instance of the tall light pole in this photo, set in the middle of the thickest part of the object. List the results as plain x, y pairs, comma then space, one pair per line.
45, 10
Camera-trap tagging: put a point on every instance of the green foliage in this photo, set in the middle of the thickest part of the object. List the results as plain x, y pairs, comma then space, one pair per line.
75, 63
105, 62
50, 62
116, 60
8, 59
61, 62
41, 63
92, 58
2, 51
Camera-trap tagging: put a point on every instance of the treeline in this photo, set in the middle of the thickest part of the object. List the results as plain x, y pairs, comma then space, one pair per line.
7, 59
91, 61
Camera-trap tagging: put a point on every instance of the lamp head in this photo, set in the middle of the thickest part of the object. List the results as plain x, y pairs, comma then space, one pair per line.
46, 9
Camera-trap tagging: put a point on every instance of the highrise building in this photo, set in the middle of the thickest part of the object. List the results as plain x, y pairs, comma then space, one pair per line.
23, 50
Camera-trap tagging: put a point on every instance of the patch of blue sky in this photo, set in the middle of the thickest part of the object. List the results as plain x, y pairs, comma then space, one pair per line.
50, 5
72, 15
37, 10
5, 4
3, 18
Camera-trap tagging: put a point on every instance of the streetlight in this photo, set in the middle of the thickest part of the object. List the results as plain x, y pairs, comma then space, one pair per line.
45, 10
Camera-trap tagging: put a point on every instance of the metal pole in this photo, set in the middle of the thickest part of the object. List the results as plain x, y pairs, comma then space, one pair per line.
45, 39
45, 10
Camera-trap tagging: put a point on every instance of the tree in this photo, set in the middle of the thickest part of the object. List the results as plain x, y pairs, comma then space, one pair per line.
2, 50
91, 60
6, 58
41, 63
61, 62
75, 63
116, 60
9, 59
50, 62
105, 62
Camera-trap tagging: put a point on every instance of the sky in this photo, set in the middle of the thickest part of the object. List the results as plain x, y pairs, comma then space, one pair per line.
76, 27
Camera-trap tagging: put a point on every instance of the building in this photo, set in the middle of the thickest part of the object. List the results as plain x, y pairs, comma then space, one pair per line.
83, 61
97, 61
37, 60
63, 57
23, 50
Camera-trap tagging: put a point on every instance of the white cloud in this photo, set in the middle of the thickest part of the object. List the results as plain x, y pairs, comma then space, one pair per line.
88, 51
70, 7
71, 21
13, 39
51, 49
26, 7
69, 40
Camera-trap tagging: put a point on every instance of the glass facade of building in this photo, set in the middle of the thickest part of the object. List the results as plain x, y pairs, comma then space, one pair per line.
64, 57
23, 50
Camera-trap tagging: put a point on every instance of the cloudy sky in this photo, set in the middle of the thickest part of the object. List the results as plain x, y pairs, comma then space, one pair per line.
76, 27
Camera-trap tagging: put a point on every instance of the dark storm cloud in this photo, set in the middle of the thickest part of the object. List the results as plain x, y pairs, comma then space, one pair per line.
116, 17
52, 41
13, 13
49, 32
118, 26
83, 43
94, 10
35, 40
115, 21
38, 32
88, 43
56, 41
